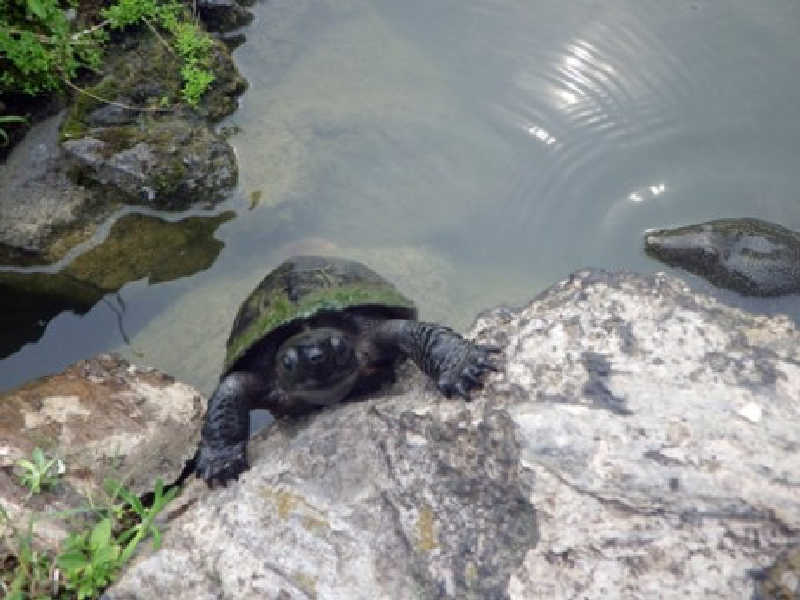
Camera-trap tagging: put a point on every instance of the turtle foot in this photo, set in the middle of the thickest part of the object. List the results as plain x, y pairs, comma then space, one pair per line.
467, 373
220, 464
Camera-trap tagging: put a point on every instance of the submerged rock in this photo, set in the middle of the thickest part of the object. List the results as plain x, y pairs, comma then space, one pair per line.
137, 246
642, 442
104, 418
749, 256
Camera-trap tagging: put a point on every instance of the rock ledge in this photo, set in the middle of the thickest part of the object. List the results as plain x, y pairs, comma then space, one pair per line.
641, 443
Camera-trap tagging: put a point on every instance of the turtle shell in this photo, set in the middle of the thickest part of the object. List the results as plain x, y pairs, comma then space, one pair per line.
302, 287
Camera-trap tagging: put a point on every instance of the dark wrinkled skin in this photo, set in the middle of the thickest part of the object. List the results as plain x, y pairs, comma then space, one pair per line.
335, 357
749, 256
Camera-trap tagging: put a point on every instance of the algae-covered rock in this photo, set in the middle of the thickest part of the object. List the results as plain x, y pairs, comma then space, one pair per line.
128, 139
104, 418
131, 135
169, 165
144, 74
145, 246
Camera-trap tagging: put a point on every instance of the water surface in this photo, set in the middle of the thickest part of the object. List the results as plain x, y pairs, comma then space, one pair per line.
474, 152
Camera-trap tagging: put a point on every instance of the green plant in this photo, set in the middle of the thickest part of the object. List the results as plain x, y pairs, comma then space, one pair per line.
166, 13
90, 560
40, 53
38, 49
194, 49
145, 516
39, 473
195, 83
6, 119
189, 42
31, 576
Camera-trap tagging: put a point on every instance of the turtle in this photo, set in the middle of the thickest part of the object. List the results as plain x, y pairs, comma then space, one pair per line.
746, 255
316, 331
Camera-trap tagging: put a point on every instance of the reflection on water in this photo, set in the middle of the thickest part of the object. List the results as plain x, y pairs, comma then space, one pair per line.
508, 142
138, 246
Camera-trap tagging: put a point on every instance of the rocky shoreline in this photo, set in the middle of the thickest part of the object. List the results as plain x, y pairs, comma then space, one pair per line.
79, 167
640, 441
67, 190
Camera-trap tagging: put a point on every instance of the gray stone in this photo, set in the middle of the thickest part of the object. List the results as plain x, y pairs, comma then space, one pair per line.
38, 201
642, 442
111, 114
174, 165
223, 15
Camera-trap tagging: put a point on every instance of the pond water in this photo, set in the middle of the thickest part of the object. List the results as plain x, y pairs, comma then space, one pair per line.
474, 152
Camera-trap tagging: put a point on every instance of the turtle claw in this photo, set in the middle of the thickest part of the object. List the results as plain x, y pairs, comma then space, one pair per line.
221, 464
467, 374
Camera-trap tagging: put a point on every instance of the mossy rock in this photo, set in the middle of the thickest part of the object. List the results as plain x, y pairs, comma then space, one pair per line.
146, 74
164, 154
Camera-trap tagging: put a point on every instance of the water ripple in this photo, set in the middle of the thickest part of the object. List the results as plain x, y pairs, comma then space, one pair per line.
610, 88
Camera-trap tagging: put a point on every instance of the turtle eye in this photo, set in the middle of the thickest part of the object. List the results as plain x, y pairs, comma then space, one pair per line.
289, 360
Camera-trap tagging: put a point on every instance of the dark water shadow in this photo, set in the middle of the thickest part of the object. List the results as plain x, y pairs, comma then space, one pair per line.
138, 246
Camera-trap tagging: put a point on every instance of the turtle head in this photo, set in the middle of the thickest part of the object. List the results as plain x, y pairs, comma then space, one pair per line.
318, 366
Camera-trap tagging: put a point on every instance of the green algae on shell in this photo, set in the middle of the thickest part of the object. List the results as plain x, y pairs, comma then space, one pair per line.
303, 287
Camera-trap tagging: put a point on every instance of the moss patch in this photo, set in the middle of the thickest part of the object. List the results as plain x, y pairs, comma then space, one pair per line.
267, 309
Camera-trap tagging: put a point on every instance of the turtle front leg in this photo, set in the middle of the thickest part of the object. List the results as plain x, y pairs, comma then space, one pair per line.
456, 364
222, 453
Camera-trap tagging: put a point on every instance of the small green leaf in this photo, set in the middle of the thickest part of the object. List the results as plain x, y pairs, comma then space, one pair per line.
26, 464
129, 549
156, 538
37, 8
101, 534
127, 534
106, 554
72, 560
